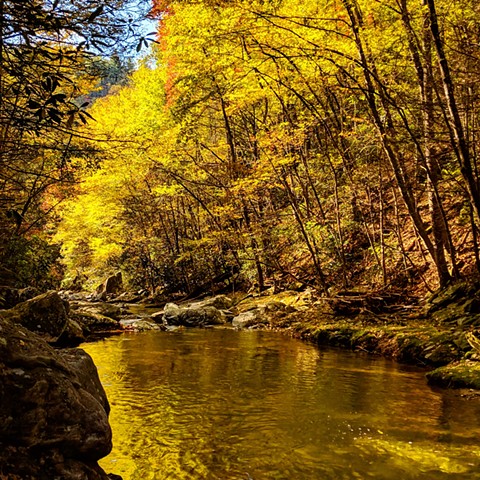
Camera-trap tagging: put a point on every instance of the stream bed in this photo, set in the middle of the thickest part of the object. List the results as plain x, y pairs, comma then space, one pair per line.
255, 405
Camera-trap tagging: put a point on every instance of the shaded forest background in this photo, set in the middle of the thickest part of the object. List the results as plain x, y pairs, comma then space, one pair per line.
327, 143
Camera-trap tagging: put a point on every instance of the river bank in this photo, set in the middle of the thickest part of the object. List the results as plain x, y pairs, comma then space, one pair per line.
436, 334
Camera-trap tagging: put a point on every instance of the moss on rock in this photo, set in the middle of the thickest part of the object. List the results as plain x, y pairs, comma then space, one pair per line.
433, 335
461, 374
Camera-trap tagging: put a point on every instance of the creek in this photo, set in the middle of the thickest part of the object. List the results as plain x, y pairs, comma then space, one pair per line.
255, 405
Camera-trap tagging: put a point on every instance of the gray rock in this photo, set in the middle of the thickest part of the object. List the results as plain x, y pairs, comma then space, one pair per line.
25, 294
72, 336
128, 297
53, 410
222, 302
229, 315
10, 296
100, 308
275, 307
140, 325
192, 316
157, 316
170, 312
248, 319
94, 322
96, 316
82, 364
262, 314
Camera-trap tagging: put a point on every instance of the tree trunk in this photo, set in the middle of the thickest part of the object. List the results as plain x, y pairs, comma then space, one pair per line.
433, 168
460, 145
384, 135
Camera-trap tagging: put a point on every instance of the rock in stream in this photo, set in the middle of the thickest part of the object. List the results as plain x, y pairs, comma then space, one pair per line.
53, 409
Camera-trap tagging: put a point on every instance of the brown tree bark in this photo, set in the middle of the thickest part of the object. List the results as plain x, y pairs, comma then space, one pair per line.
459, 141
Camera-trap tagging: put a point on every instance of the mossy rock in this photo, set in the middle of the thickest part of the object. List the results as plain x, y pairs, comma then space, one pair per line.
441, 353
366, 340
459, 303
462, 374
410, 348
453, 293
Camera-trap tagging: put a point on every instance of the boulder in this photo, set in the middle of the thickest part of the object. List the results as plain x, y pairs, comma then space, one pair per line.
53, 410
94, 322
82, 364
72, 336
276, 306
129, 297
140, 325
9, 296
171, 312
248, 319
28, 293
192, 315
262, 314
46, 314
73, 296
100, 308
157, 316
221, 302
96, 316
111, 286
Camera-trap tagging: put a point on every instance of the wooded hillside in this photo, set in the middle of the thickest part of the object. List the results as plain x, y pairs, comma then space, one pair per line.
324, 143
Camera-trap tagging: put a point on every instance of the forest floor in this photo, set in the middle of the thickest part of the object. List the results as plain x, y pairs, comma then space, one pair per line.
438, 333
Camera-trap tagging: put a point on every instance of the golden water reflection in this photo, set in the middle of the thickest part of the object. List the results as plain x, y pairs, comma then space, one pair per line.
227, 405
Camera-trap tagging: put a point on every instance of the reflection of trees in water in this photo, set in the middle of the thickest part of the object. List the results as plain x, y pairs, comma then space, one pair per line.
220, 404
458, 419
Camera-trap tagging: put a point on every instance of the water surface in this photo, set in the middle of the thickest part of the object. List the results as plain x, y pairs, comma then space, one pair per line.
228, 405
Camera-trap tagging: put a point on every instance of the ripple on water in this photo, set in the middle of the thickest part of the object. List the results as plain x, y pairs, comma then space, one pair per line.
221, 404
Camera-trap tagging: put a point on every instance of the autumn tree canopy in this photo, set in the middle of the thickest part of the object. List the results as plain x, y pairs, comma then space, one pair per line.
47, 50
331, 144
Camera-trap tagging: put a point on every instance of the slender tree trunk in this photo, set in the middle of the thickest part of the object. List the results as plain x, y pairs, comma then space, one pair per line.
433, 168
254, 247
440, 228
475, 240
398, 231
384, 135
381, 226
311, 247
460, 144
232, 164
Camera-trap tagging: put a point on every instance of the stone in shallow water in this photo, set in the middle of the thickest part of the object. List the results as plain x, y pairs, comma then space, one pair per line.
195, 315
247, 319
140, 325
